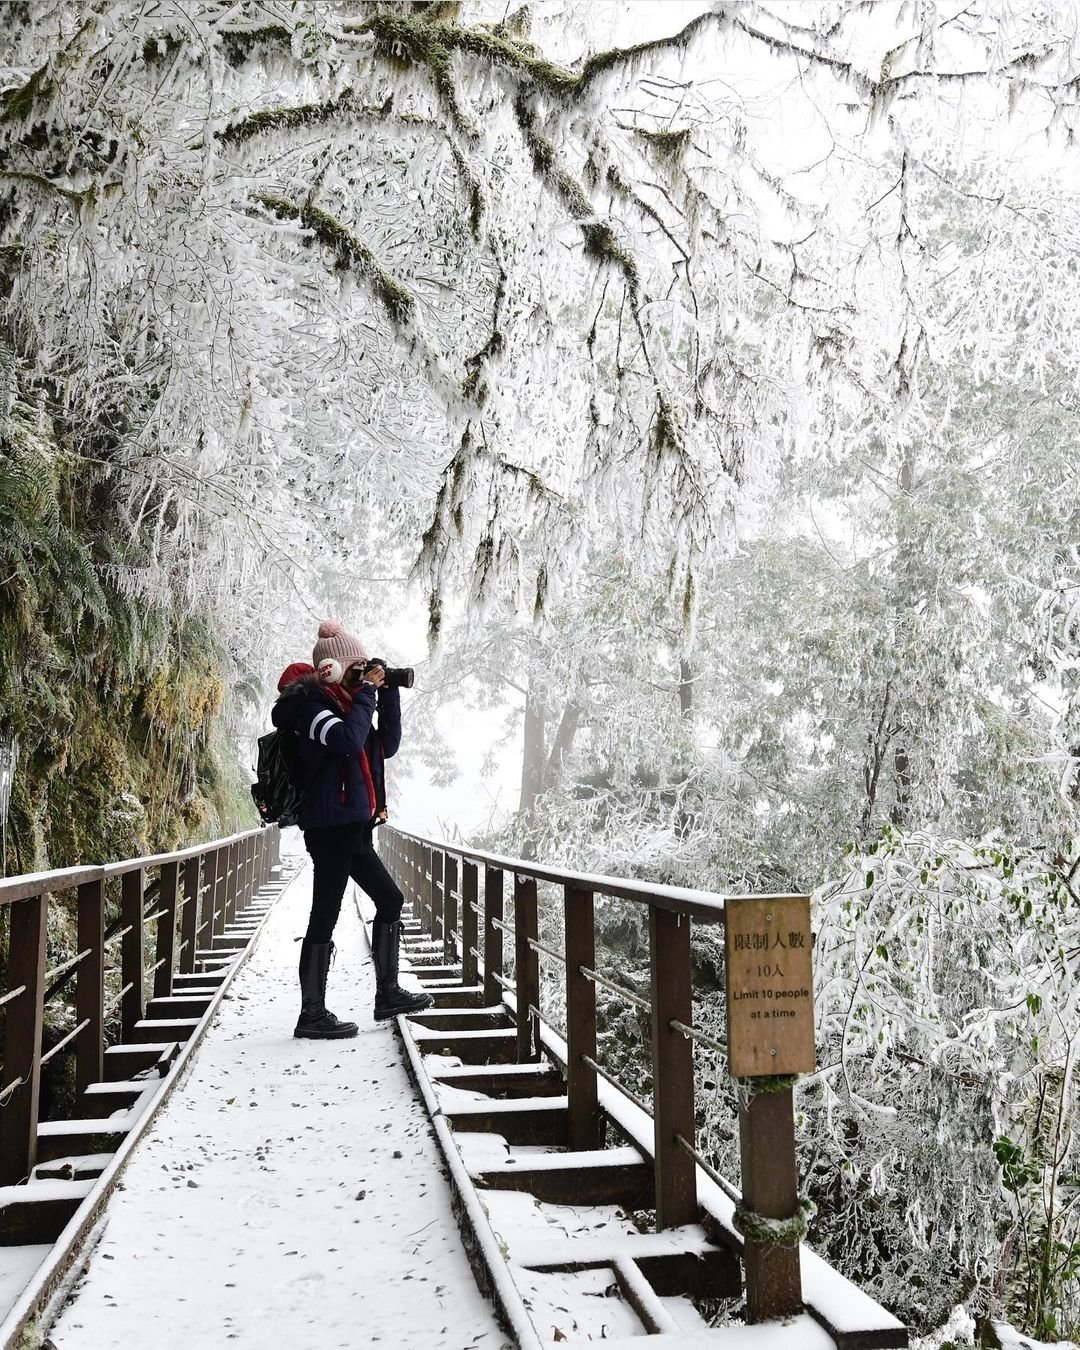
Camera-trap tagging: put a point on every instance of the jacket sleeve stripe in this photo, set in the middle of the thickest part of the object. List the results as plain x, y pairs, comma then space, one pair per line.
328, 726
320, 717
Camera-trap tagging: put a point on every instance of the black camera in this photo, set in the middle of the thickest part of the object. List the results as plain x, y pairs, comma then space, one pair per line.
396, 677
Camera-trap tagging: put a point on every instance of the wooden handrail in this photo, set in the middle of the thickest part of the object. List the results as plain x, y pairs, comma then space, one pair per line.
13, 889
701, 905
23, 887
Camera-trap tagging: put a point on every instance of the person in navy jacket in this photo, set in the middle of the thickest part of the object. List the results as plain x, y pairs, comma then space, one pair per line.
347, 724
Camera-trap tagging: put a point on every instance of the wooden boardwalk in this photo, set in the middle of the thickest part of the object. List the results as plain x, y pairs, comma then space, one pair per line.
308, 1194
290, 1193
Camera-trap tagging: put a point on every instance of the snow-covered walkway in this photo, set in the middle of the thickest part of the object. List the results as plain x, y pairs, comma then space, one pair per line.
290, 1194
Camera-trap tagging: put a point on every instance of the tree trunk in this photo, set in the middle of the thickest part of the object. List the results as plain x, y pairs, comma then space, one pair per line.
686, 687
560, 746
906, 570
533, 756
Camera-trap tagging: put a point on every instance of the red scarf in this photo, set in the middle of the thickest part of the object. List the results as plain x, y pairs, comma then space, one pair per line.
344, 700
340, 695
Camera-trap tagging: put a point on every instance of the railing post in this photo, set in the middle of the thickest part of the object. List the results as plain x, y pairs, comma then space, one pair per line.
469, 939
189, 923
770, 1187
131, 951
243, 862
526, 968
249, 869
583, 1107
435, 891
673, 1068
90, 986
450, 909
22, 1046
493, 937
166, 931
219, 896
422, 887
233, 884
206, 905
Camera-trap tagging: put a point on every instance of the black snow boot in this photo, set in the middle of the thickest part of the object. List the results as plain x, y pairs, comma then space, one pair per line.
315, 1022
390, 999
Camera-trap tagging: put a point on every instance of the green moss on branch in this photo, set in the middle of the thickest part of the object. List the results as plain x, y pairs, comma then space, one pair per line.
472, 190
18, 103
301, 116
475, 386
670, 146
432, 44
244, 44
349, 251
238, 45
600, 241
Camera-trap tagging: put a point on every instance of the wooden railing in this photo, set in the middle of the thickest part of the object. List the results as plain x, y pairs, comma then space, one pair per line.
461, 897
189, 897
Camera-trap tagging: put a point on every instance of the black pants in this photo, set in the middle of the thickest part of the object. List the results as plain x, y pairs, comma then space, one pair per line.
339, 852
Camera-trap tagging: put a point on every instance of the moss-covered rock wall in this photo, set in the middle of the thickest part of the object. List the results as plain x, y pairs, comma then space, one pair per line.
111, 681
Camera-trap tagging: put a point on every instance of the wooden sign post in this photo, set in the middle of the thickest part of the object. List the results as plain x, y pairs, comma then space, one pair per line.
770, 999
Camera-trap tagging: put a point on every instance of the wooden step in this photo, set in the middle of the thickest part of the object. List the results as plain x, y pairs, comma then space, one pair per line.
102, 1099
678, 1261
61, 1138
504, 1080
123, 1062
18, 1266
209, 981
39, 1211
523, 1120
616, 1176
174, 1028
471, 1047
75, 1167
424, 973
179, 1005
462, 1019
456, 995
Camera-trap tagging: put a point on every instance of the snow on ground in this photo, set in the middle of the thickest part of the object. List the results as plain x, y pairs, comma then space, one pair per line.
290, 1193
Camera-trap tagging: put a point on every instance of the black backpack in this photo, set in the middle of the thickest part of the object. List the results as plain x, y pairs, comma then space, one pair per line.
277, 791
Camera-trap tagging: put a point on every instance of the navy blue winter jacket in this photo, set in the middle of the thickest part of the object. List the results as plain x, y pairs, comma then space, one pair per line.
340, 753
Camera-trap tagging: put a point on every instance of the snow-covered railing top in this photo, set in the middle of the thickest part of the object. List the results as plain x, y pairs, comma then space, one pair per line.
704, 906
68, 878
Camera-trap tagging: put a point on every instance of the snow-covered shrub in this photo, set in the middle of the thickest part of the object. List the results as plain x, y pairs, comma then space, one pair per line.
939, 1134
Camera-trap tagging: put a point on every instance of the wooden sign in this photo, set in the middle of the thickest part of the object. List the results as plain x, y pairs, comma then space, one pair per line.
770, 987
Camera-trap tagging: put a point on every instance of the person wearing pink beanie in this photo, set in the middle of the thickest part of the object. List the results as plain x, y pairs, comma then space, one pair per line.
347, 723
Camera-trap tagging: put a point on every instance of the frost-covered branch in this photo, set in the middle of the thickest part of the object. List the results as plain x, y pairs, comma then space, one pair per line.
349, 252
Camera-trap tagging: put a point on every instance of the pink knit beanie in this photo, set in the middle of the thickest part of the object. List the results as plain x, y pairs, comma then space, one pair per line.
335, 651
